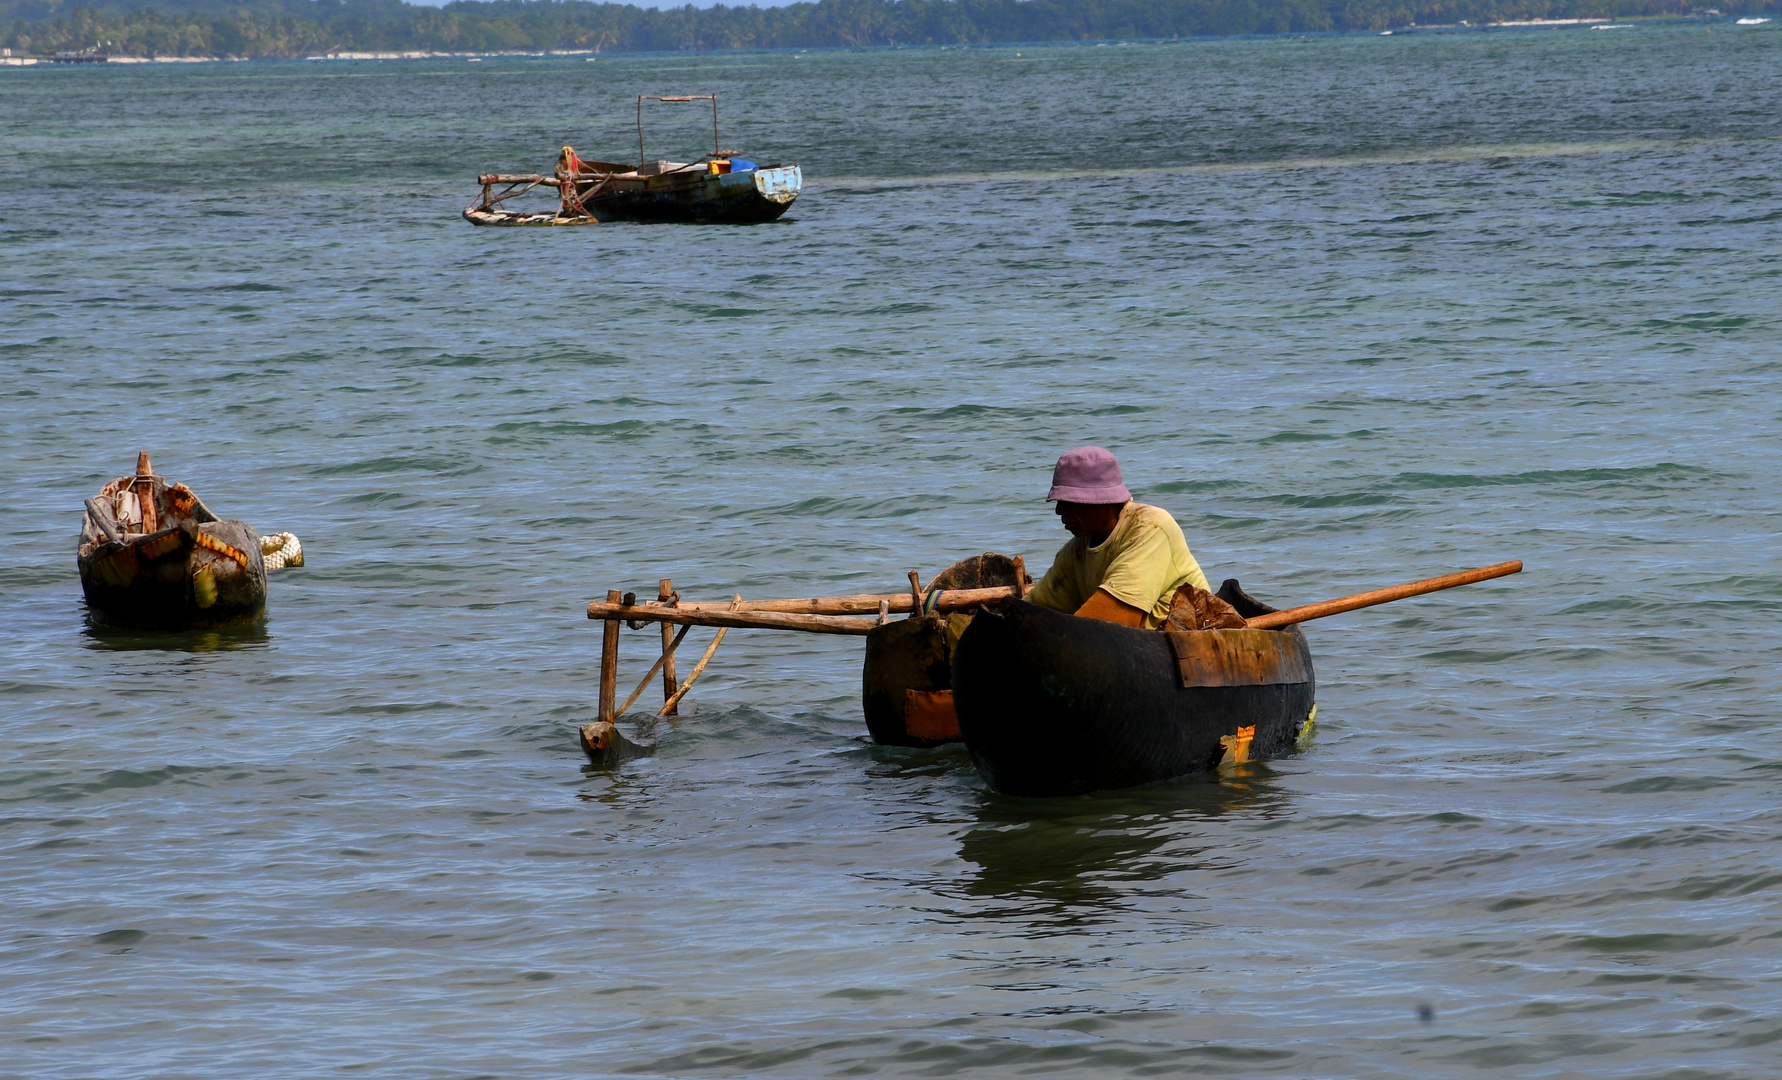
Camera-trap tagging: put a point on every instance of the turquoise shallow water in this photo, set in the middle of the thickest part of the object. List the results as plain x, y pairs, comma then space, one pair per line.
1356, 310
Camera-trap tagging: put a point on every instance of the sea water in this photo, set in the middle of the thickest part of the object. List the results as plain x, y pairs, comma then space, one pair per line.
1356, 310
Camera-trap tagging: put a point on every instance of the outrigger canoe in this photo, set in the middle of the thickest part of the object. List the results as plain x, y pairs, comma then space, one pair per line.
153, 555
1048, 703
719, 189
1051, 704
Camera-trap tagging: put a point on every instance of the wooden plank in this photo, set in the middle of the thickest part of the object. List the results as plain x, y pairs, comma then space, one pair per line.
1236, 658
929, 714
145, 496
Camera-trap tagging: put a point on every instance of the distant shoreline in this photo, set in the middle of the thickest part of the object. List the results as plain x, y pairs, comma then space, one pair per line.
516, 54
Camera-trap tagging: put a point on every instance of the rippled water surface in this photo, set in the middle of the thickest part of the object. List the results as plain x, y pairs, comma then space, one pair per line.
1356, 310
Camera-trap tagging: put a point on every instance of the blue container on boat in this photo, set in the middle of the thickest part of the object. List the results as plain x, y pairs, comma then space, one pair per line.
739, 165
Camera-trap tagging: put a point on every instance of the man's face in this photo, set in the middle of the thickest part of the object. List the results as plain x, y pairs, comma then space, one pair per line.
1092, 521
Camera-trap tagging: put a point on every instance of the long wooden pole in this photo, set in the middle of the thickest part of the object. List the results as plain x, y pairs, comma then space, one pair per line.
1382, 596
145, 492
825, 615
758, 620
665, 594
609, 661
692, 676
859, 604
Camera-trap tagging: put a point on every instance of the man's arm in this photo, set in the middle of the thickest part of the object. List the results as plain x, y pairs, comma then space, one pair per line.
1054, 589
1105, 607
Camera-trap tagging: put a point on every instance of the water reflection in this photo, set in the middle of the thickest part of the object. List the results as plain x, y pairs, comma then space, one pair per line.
1077, 855
893, 763
107, 638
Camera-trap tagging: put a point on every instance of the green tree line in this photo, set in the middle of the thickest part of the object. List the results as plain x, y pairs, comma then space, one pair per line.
275, 29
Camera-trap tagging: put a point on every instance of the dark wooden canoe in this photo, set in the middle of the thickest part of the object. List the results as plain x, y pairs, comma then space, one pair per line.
707, 192
153, 555
696, 195
915, 655
1051, 704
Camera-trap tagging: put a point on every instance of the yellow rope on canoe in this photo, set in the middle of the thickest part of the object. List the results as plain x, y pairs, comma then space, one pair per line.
211, 543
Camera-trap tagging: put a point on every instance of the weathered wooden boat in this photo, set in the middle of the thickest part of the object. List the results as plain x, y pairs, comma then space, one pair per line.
907, 676
1051, 704
720, 188
153, 555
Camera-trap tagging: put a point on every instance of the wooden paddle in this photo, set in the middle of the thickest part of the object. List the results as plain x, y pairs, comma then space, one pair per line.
1382, 596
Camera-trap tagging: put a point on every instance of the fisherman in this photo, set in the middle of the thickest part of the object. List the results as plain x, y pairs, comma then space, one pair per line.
1125, 561
568, 166
568, 163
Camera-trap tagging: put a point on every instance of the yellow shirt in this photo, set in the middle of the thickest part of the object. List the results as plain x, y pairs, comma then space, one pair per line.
1142, 563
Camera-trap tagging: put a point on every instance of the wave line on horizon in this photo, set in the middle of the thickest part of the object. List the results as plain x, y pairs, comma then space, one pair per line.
1445, 155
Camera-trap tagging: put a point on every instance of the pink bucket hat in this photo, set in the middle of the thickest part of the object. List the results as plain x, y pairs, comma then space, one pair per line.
1088, 474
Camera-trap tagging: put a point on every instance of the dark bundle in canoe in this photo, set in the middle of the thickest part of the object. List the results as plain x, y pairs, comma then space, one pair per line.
153, 555
1052, 704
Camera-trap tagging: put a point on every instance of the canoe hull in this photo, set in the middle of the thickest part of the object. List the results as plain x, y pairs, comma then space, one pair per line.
903, 656
916, 654
1050, 704
167, 581
746, 198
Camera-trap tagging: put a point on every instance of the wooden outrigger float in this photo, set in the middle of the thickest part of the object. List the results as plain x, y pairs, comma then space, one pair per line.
719, 188
1046, 703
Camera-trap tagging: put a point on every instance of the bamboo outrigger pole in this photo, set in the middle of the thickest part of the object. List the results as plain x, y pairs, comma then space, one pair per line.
691, 615
827, 614
817, 614
1382, 596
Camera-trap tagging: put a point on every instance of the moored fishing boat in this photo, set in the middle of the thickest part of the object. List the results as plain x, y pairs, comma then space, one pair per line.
718, 189
153, 555
1051, 704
